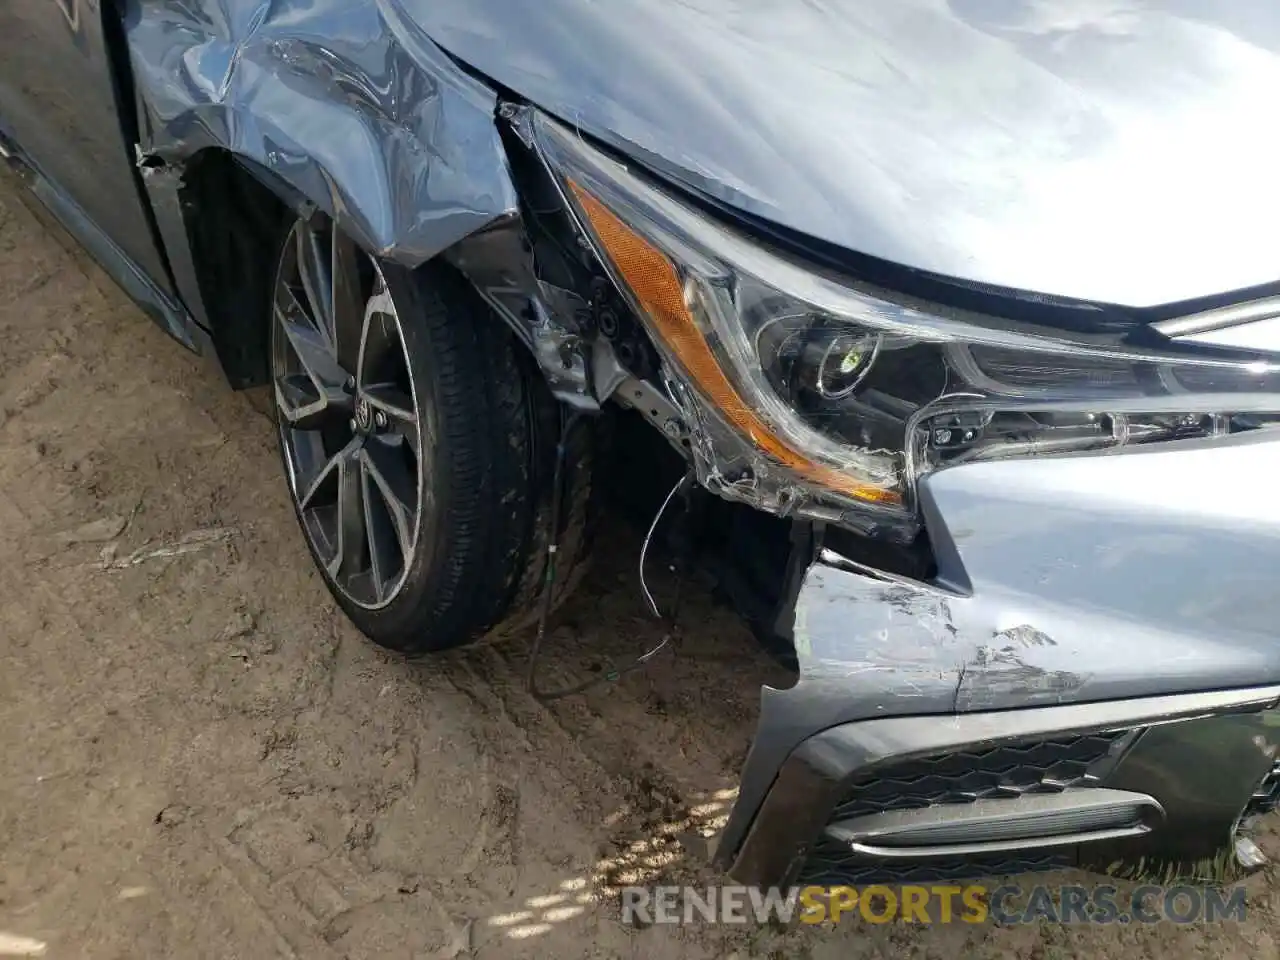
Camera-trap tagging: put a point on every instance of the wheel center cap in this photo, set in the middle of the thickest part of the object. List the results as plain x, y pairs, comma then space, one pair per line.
364, 415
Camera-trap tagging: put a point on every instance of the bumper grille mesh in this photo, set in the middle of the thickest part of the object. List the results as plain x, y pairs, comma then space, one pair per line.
1009, 770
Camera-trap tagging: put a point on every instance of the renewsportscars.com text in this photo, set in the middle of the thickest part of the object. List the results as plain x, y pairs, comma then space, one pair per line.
936, 903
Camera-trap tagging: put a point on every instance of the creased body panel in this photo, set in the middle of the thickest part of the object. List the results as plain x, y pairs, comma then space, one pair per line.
345, 100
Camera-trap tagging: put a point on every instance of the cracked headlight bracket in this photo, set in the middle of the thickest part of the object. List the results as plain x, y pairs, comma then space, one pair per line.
809, 394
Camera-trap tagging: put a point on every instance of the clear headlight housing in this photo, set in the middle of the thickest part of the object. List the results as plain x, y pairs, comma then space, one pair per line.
805, 392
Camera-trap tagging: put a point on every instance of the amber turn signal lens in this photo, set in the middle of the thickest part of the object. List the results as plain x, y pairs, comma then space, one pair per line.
653, 280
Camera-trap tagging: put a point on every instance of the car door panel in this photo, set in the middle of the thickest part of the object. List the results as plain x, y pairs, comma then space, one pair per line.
58, 102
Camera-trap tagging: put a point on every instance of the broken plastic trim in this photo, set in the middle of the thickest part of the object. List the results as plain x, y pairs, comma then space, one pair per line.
536, 271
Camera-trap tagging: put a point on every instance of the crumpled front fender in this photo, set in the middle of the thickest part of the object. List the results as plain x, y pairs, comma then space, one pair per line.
346, 101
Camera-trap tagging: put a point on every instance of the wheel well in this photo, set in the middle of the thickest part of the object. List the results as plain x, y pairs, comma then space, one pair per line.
233, 219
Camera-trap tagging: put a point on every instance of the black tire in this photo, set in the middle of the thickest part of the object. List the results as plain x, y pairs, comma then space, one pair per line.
488, 429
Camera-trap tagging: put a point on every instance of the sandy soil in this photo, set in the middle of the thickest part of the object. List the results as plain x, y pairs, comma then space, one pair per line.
199, 757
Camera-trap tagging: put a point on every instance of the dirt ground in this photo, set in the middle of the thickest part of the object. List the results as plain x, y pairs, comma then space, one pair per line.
199, 757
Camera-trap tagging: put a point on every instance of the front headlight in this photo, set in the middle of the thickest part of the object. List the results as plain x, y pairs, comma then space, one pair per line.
807, 392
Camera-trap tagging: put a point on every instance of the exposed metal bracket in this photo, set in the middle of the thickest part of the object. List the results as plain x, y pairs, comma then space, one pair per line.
607, 374
656, 407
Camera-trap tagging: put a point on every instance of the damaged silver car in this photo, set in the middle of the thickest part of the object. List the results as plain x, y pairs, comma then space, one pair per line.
956, 325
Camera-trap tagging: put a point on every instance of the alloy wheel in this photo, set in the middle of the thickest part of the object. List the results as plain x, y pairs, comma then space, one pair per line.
347, 413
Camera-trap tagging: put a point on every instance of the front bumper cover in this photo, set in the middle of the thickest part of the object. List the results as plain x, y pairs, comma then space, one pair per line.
1200, 756
1074, 594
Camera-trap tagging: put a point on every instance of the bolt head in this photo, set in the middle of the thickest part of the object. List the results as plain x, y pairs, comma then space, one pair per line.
352, 423
380, 420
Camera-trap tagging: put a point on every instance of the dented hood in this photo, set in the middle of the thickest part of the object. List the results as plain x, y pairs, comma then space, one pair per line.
1124, 152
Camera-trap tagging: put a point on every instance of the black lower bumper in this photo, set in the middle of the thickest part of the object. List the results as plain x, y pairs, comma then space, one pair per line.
1203, 759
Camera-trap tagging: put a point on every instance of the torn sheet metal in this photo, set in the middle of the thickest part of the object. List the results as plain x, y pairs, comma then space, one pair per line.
346, 101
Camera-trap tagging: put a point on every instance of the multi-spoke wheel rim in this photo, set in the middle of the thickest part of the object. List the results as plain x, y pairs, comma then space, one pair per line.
348, 414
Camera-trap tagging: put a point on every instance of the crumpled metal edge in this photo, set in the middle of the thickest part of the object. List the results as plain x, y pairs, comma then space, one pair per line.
346, 101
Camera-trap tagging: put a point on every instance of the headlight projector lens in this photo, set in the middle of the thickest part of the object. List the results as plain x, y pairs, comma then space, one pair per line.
845, 364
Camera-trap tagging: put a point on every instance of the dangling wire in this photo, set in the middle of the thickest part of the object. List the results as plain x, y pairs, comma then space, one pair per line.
548, 590
644, 549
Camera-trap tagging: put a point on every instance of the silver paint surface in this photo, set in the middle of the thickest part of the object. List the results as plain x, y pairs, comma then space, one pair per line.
1114, 150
